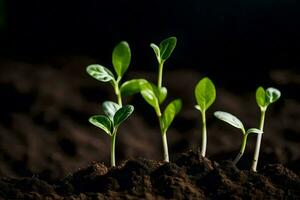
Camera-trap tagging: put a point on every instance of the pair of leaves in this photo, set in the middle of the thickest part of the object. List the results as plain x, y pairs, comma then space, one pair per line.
169, 114
153, 95
205, 93
234, 121
165, 49
265, 97
114, 116
121, 57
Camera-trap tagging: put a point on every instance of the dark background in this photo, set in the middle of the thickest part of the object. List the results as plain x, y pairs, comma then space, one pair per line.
47, 97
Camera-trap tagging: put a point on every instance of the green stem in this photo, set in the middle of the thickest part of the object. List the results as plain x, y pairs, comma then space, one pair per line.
117, 91
160, 73
204, 134
112, 152
238, 157
258, 141
165, 146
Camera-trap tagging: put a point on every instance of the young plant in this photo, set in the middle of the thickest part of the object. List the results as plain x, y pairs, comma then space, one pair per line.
155, 95
121, 58
205, 94
235, 122
114, 115
263, 99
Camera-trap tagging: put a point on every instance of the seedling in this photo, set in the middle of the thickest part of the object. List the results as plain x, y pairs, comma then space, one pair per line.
155, 95
114, 115
235, 122
121, 58
263, 99
205, 94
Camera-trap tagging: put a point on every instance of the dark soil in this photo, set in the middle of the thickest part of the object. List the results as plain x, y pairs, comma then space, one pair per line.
45, 135
189, 177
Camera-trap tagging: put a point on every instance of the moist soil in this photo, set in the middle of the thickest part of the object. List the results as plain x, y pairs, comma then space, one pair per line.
45, 136
190, 177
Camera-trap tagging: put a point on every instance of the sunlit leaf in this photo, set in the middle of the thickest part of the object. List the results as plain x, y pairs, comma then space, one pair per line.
205, 94
100, 73
102, 122
230, 119
122, 114
110, 108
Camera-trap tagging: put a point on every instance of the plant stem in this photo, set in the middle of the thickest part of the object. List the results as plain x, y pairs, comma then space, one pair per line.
160, 73
238, 157
204, 135
112, 152
258, 141
165, 146
117, 91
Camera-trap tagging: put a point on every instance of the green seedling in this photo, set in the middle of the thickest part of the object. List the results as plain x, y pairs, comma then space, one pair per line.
235, 122
205, 94
114, 115
155, 95
263, 99
121, 58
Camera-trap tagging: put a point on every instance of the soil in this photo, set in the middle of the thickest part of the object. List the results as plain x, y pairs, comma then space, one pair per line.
190, 177
45, 136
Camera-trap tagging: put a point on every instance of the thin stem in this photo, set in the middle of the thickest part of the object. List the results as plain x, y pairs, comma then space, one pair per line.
165, 146
238, 157
112, 152
117, 91
160, 73
204, 134
258, 141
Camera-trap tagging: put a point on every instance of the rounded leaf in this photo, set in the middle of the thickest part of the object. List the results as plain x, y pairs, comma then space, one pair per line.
261, 97
121, 58
169, 114
149, 96
230, 119
156, 51
272, 95
166, 47
102, 122
110, 108
132, 87
122, 114
100, 73
205, 93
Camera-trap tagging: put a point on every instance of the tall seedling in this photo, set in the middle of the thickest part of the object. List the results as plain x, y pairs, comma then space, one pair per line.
263, 99
205, 94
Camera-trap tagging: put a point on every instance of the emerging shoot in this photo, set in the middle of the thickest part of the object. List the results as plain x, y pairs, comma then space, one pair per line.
263, 99
109, 123
155, 95
235, 122
205, 94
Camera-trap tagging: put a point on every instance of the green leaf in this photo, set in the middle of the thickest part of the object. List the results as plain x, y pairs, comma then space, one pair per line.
100, 73
261, 97
122, 114
102, 122
121, 58
156, 51
150, 97
205, 94
132, 87
254, 130
230, 119
110, 108
169, 114
272, 95
166, 47
161, 93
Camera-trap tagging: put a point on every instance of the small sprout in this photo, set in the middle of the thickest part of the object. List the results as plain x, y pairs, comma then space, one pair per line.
163, 52
263, 99
121, 57
156, 95
235, 122
205, 94
109, 123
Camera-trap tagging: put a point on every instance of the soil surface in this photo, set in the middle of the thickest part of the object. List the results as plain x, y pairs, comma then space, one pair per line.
189, 177
45, 135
